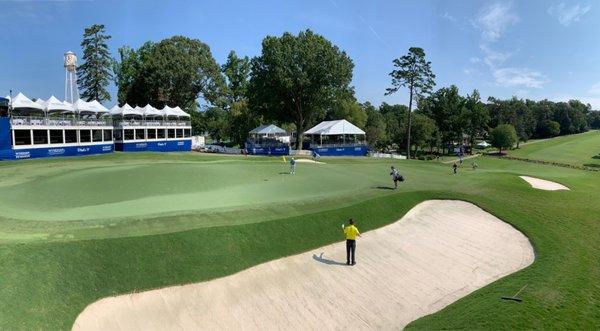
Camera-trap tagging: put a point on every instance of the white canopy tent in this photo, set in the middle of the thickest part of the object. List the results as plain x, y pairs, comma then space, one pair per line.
115, 111
41, 102
334, 130
180, 112
150, 111
21, 103
127, 110
98, 107
53, 105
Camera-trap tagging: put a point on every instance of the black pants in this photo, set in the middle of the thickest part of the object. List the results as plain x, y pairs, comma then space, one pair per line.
350, 249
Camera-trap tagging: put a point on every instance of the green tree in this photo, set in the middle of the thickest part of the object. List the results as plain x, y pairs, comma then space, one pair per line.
349, 110
175, 71
424, 129
237, 72
296, 78
95, 73
375, 127
413, 72
477, 117
503, 136
550, 128
448, 109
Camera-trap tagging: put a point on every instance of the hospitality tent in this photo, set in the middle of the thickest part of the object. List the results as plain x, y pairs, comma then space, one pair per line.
53, 105
115, 111
23, 104
98, 107
150, 111
127, 110
180, 112
41, 102
334, 130
268, 130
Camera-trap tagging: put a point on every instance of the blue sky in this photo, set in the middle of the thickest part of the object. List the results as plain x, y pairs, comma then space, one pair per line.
533, 49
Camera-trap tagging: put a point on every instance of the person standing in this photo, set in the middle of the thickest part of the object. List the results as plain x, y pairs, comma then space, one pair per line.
350, 232
292, 166
455, 168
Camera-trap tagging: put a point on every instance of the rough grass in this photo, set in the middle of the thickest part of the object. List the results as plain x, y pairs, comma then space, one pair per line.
46, 282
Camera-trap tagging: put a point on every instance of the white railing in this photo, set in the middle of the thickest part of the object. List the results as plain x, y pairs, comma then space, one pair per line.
59, 121
123, 123
357, 144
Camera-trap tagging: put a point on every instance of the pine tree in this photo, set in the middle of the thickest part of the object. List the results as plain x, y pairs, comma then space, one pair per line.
95, 73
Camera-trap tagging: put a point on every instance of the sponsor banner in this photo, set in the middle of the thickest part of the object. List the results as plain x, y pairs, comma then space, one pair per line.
31, 153
155, 146
280, 150
343, 151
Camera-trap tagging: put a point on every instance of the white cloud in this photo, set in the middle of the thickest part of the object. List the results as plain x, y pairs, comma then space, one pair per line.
449, 17
467, 71
493, 20
568, 14
493, 58
519, 77
475, 59
595, 89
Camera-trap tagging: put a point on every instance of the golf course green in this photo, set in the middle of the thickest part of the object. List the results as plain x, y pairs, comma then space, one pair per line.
75, 230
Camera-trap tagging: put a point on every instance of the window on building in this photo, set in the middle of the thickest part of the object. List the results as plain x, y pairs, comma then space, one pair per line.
179, 133
96, 135
140, 134
171, 133
118, 134
107, 135
56, 136
85, 136
160, 133
129, 134
187, 133
40, 137
70, 136
22, 137
151, 133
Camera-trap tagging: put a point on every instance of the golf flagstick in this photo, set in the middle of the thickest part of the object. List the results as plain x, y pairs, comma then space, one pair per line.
514, 297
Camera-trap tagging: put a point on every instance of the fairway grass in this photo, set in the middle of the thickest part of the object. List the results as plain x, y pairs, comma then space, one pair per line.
579, 149
52, 268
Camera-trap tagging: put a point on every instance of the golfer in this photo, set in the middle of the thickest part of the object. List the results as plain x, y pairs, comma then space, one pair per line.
350, 231
292, 166
396, 177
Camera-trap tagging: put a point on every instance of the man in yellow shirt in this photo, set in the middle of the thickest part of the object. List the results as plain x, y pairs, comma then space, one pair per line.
350, 232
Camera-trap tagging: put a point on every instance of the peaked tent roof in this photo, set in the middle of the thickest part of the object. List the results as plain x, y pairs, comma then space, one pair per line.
41, 102
98, 107
115, 110
267, 129
23, 102
330, 128
55, 105
127, 110
181, 112
151, 111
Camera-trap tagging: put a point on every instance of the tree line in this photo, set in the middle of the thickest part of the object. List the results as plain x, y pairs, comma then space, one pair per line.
299, 80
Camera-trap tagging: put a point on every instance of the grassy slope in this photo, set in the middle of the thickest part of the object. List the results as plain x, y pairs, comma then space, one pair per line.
46, 284
578, 149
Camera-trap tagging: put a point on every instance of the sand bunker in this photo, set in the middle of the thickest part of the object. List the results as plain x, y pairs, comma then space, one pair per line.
542, 184
309, 161
437, 253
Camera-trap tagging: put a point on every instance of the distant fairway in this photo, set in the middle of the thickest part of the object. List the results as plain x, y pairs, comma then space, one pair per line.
578, 149
75, 230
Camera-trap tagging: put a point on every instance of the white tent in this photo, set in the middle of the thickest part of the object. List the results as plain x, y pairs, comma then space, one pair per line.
128, 111
53, 105
68, 106
82, 107
41, 102
168, 111
150, 111
98, 107
331, 128
23, 103
115, 111
180, 112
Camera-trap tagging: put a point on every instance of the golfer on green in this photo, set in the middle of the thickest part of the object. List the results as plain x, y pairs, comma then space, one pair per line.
350, 231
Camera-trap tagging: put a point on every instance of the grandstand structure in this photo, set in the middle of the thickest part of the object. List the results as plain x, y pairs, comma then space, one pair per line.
336, 138
268, 139
50, 128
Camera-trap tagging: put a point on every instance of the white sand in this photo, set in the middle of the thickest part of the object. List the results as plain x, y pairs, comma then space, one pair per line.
542, 184
437, 253
309, 161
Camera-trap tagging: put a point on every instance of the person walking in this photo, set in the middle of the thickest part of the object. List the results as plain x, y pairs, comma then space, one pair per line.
396, 177
292, 166
350, 232
455, 168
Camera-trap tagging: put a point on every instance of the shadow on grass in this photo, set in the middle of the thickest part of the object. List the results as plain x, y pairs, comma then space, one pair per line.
384, 187
592, 165
321, 259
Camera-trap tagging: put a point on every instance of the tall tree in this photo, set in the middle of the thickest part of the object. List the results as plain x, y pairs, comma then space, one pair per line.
95, 73
237, 73
375, 128
350, 110
477, 116
413, 72
175, 71
296, 78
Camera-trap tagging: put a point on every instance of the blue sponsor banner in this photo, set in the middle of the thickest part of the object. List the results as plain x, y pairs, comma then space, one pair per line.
30, 153
342, 151
272, 150
184, 145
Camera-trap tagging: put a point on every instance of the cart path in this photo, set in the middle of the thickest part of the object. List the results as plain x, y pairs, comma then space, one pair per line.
439, 252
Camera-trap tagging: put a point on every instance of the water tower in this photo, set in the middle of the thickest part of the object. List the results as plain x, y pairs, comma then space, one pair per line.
71, 92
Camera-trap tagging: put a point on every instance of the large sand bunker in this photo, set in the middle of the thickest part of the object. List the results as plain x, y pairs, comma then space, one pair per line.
542, 184
437, 253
